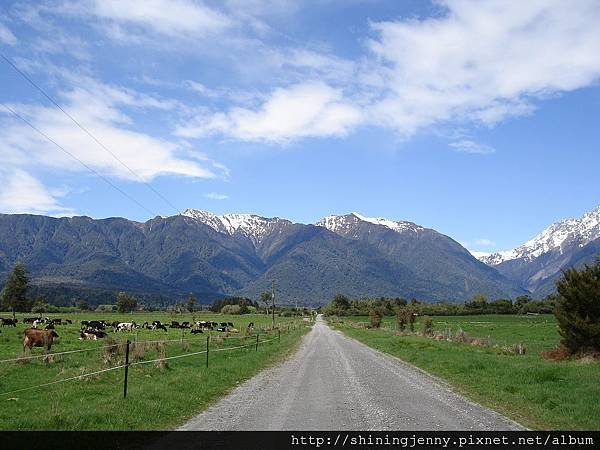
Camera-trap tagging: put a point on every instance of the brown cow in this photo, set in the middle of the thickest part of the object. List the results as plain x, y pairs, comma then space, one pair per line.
38, 338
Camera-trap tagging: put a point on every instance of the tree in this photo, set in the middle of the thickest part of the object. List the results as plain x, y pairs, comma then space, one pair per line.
578, 308
125, 302
40, 306
521, 301
265, 297
14, 294
191, 303
341, 301
82, 305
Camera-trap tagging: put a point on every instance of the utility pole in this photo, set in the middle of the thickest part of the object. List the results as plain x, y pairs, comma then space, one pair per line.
273, 302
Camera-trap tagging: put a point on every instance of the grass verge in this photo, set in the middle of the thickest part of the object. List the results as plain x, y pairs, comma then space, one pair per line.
160, 395
537, 393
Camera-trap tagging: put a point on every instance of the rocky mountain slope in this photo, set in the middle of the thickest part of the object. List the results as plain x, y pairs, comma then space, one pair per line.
238, 254
538, 262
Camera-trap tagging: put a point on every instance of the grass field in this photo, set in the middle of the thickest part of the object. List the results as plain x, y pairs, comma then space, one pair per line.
537, 393
159, 397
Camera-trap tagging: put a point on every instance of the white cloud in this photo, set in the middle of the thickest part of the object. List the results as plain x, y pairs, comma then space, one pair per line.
310, 109
216, 196
483, 61
485, 242
6, 36
99, 108
468, 146
21, 193
168, 17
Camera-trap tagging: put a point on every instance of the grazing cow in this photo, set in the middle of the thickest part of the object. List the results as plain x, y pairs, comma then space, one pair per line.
31, 319
56, 321
185, 325
9, 322
196, 331
38, 338
97, 324
68, 321
36, 323
158, 325
174, 324
50, 326
126, 326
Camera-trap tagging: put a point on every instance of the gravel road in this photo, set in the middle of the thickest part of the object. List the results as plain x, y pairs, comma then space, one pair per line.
336, 383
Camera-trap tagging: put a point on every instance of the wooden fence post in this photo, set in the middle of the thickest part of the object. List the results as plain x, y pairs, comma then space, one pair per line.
126, 368
278, 335
257, 342
207, 340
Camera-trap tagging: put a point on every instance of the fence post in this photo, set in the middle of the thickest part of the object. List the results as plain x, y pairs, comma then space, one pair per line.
278, 335
257, 342
207, 340
126, 367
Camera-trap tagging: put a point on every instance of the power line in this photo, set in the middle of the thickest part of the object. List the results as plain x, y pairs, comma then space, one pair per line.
12, 111
86, 131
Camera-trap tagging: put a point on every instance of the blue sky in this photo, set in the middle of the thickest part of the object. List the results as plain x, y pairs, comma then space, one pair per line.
478, 119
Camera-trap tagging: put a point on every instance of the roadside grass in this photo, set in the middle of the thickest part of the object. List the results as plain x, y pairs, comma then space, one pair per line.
159, 396
537, 393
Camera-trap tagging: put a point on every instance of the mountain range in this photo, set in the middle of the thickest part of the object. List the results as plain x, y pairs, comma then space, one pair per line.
239, 254
536, 264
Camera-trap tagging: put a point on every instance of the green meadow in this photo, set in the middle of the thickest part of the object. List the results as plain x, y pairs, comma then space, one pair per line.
537, 393
161, 394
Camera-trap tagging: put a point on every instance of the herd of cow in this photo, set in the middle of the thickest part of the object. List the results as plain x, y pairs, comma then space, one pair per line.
97, 329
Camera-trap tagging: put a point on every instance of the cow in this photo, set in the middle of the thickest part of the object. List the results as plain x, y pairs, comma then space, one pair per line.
68, 321
98, 333
38, 338
158, 325
126, 326
97, 324
196, 331
174, 324
230, 324
186, 325
31, 319
50, 326
250, 329
36, 323
9, 322
87, 336
56, 321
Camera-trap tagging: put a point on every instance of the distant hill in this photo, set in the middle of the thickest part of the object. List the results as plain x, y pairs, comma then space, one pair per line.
537, 263
238, 254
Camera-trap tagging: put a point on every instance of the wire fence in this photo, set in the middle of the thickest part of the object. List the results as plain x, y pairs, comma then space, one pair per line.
129, 344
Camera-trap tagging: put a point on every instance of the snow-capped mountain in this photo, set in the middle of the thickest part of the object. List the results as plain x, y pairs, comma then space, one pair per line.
255, 227
539, 262
558, 236
342, 223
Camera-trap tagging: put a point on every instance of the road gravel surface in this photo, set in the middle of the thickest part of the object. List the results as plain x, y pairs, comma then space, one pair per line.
333, 382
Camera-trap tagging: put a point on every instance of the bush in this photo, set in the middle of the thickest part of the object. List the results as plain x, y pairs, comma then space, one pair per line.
231, 309
578, 309
427, 326
375, 316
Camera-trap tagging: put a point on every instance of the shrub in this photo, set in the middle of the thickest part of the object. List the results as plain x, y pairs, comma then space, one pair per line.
375, 316
427, 326
578, 309
231, 309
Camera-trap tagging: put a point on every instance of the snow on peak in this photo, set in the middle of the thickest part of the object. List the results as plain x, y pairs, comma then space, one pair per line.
569, 231
251, 225
342, 223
